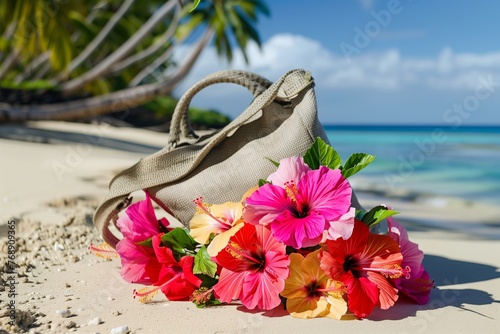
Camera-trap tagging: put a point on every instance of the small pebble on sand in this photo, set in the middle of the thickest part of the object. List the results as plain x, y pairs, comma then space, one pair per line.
64, 313
120, 330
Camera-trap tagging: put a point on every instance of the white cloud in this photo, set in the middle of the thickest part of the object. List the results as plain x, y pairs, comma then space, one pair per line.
387, 70
371, 87
366, 4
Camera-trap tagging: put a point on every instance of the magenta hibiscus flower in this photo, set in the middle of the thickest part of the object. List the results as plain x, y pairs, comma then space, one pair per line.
418, 286
300, 203
138, 224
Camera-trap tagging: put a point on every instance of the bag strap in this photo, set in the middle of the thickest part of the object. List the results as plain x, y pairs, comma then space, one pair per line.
150, 171
181, 125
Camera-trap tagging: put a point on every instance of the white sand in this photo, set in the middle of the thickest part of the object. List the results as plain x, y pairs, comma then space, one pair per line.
52, 206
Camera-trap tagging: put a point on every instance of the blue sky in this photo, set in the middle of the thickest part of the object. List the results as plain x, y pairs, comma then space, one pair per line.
377, 61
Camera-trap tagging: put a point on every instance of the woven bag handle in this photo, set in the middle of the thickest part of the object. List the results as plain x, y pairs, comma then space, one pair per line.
181, 125
150, 171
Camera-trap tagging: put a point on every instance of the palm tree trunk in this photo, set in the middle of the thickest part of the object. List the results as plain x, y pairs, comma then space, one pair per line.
98, 105
9, 61
34, 64
152, 48
7, 34
92, 46
105, 66
153, 66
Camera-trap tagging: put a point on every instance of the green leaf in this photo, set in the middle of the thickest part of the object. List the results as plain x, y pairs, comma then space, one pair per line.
195, 4
262, 182
147, 243
207, 281
322, 154
203, 264
359, 214
179, 241
277, 164
355, 163
377, 214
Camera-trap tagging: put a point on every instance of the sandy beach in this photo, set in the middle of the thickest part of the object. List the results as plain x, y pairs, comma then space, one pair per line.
54, 175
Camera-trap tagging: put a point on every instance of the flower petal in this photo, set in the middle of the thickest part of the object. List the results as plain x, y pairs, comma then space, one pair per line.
363, 295
311, 269
261, 290
307, 308
296, 232
295, 283
229, 286
134, 259
327, 192
343, 227
265, 204
221, 240
163, 254
418, 287
387, 293
412, 255
338, 307
290, 169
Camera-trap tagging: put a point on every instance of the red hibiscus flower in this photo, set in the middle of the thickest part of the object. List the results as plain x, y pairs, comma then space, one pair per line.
365, 263
175, 279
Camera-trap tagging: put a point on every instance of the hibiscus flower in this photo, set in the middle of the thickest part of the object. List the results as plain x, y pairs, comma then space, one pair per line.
365, 263
134, 259
174, 278
254, 268
418, 286
310, 292
300, 203
222, 220
138, 224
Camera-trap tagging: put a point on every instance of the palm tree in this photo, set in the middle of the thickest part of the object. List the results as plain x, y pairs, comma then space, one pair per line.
122, 66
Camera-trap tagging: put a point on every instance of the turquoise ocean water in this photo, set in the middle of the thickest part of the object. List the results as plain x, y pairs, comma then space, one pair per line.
462, 162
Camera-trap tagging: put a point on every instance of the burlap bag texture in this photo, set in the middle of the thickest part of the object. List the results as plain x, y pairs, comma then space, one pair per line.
280, 122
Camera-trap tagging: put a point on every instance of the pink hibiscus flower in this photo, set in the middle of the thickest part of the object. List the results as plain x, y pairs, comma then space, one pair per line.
300, 203
418, 286
364, 263
140, 223
134, 259
254, 268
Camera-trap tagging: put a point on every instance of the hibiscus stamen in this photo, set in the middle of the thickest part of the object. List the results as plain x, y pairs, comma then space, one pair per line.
292, 193
237, 252
336, 289
291, 190
202, 295
103, 250
394, 271
204, 208
146, 294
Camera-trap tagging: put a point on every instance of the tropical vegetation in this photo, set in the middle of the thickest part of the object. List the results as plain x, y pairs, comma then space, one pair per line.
71, 60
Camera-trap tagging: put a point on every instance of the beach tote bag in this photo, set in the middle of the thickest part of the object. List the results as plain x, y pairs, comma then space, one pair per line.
221, 166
